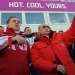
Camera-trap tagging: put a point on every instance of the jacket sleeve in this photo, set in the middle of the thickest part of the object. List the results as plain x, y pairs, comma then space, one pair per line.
40, 63
5, 41
69, 35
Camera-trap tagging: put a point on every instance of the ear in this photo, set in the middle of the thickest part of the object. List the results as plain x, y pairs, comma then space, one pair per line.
38, 31
7, 25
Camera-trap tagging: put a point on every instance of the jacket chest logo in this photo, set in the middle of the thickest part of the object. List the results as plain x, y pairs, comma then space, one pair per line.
62, 44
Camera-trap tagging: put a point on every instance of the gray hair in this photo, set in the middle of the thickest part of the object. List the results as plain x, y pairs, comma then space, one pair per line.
40, 25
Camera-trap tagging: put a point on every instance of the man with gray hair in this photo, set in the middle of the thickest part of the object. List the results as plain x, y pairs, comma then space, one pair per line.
49, 53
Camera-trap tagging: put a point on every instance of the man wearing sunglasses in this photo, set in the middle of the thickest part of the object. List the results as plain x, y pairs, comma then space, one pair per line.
49, 53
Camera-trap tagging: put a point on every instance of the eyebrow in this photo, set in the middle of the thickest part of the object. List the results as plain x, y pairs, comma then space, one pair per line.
17, 21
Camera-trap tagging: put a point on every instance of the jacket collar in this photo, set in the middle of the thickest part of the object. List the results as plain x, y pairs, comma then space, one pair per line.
53, 34
29, 36
11, 32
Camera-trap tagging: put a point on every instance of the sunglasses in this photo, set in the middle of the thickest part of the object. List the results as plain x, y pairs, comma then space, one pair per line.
46, 26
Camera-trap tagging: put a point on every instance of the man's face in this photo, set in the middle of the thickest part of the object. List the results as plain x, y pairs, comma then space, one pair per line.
28, 31
14, 24
1, 29
44, 29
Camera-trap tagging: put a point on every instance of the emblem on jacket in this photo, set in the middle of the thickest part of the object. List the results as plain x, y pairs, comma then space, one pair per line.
62, 44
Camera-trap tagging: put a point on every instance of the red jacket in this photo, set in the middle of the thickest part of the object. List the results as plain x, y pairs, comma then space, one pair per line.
47, 53
13, 57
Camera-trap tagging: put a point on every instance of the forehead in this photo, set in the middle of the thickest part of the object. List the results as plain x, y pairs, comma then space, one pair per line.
28, 29
43, 25
14, 19
1, 28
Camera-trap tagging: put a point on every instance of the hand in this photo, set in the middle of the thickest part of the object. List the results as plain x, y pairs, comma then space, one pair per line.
60, 68
19, 39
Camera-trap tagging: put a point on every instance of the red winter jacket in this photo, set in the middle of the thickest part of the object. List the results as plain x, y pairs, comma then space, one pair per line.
46, 53
13, 57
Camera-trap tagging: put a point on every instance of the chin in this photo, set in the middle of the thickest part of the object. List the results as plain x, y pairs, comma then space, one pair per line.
46, 33
17, 29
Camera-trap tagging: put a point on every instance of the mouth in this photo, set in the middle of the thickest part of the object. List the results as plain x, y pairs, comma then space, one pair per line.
47, 31
16, 25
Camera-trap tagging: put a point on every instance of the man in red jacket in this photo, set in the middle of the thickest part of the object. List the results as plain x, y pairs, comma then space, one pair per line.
14, 50
49, 53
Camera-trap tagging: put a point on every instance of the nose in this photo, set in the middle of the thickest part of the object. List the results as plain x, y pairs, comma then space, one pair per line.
16, 22
47, 28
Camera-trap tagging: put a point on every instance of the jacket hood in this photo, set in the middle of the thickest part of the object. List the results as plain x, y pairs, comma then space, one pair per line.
11, 32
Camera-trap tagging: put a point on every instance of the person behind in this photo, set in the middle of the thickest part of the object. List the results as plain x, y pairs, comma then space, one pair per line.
71, 49
14, 50
27, 30
73, 52
1, 29
30, 38
49, 53
60, 31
